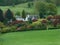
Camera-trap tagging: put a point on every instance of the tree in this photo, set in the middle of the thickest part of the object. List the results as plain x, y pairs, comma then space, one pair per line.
52, 9
23, 14
10, 2
9, 15
45, 9
1, 16
29, 5
56, 2
41, 7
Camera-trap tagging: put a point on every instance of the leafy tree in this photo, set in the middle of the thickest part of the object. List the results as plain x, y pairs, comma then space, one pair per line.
9, 15
23, 14
1, 16
41, 8
45, 9
29, 5
52, 9
10, 2
57, 2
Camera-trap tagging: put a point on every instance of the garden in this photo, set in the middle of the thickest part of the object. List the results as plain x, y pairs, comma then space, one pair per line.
29, 22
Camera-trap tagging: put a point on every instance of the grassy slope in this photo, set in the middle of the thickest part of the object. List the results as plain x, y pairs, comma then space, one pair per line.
58, 10
51, 37
20, 7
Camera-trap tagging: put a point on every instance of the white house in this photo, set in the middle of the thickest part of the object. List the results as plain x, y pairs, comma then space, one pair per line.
27, 17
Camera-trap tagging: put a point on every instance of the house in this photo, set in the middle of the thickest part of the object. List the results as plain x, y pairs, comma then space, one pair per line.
28, 17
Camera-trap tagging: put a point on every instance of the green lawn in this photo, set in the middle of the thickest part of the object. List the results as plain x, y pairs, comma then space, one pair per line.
45, 37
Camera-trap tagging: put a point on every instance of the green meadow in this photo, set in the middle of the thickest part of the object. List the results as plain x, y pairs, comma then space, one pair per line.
44, 37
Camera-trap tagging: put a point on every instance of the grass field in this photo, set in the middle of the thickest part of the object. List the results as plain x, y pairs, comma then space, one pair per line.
45, 37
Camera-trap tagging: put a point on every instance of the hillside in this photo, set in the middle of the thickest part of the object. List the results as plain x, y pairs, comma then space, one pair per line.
12, 2
20, 7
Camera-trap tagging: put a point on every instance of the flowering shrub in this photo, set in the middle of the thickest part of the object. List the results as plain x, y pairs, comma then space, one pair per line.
49, 17
38, 25
44, 23
34, 20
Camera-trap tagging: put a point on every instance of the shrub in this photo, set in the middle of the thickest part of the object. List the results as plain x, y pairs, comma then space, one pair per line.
38, 25
17, 13
5, 30
44, 23
55, 22
49, 17
8, 29
34, 20
1, 26
29, 5
13, 28
22, 28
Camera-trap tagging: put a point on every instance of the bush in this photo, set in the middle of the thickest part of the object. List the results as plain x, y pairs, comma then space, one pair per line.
22, 28
49, 17
17, 13
8, 29
44, 23
38, 25
5, 30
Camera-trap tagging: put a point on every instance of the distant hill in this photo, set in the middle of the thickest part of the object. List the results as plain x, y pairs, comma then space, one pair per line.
12, 2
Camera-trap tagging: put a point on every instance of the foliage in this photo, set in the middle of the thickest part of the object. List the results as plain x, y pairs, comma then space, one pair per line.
41, 8
17, 13
38, 25
56, 2
1, 24
52, 9
23, 14
8, 29
9, 15
29, 5
12, 2
49, 17
45, 9
1, 16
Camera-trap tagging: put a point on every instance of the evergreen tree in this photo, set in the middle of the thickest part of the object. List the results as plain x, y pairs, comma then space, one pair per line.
1, 16
9, 15
23, 14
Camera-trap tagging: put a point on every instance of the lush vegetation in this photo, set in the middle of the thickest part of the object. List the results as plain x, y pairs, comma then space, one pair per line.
21, 7
43, 23
48, 21
12, 2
